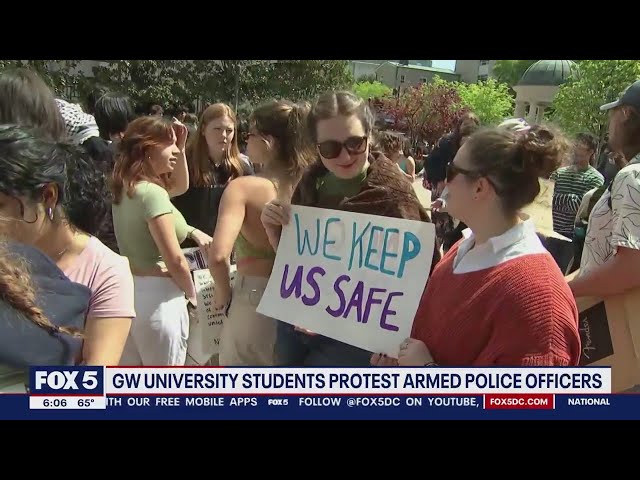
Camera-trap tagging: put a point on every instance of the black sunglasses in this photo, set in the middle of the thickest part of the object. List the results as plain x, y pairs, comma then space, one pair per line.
332, 148
453, 170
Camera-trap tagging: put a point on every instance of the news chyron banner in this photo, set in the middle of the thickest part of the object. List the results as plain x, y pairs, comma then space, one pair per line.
319, 393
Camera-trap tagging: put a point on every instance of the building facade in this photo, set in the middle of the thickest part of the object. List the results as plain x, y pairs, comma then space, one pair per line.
472, 71
400, 77
538, 87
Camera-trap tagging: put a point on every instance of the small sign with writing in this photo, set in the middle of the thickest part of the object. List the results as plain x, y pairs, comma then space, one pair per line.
594, 334
195, 258
205, 325
209, 320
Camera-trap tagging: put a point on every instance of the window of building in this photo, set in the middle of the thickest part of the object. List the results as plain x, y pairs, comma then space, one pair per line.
401, 78
71, 92
423, 79
484, 62
483, 78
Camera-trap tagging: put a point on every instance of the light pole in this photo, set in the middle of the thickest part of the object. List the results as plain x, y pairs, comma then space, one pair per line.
237, 95
239, 69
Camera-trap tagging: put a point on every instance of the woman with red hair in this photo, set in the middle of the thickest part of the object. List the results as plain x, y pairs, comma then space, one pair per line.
214, 160
150, 169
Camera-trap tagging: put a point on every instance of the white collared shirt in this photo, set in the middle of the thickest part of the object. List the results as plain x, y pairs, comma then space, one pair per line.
518, 241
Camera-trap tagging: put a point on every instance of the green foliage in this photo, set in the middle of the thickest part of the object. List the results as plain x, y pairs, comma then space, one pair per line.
367, 77
490, 100
368, 90
296, 80
147, 81
173, 82
577, 103
60, 75
183, 81
511, 71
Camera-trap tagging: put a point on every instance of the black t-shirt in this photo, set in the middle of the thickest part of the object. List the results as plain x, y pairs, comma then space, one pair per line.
199, 205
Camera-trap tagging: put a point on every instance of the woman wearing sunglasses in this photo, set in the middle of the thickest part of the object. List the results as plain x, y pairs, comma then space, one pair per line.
440, 205
276, 140
345, 177
497, 298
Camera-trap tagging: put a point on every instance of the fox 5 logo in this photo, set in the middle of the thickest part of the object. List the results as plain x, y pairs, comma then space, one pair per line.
278, 401
70, 379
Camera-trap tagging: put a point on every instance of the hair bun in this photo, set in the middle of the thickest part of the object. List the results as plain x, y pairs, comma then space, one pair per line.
542, 150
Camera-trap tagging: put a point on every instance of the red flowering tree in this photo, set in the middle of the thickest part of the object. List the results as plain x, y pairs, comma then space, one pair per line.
392, 112
442, 109
425, 112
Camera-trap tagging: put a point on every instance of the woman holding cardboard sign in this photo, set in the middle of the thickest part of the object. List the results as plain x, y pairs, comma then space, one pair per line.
276, 140
517, 309
345, 177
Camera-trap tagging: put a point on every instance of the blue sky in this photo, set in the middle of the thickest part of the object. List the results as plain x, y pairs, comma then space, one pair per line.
450, 64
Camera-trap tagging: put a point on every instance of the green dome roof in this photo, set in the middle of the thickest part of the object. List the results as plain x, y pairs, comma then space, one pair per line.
548, 72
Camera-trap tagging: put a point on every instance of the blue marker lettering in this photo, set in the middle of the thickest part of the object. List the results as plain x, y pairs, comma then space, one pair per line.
385, 252
410, 250
327, 241
306, 240
357, 241
370, 249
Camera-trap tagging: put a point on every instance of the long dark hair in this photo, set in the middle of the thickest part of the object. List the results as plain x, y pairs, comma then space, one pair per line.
26, 100
29, 162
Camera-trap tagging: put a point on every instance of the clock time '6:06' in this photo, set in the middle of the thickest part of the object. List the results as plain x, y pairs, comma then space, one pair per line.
54, 402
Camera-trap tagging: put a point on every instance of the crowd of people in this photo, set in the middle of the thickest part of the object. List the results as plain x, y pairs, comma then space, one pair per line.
97, 203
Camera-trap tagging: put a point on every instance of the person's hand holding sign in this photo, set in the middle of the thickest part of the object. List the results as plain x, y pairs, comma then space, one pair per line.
221, 301
381, 360
438, 205
414, 353
305, 331
202, 239
274, 215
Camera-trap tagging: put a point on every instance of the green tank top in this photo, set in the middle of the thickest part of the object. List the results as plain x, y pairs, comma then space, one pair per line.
244, 249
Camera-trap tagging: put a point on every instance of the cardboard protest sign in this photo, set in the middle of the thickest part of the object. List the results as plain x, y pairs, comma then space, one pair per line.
610, 336
353, 277
210, 321
205, 325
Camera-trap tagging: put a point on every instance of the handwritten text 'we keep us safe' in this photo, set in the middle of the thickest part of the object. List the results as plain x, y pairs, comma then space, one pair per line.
348, 250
